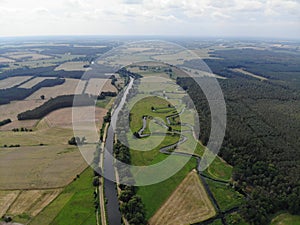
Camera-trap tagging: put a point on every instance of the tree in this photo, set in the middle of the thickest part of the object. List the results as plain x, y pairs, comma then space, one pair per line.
42, 97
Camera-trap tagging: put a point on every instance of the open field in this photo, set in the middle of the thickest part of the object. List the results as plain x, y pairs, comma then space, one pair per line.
34, 82
29, 124
153, 196
226, 196
6, 199
286, 219
63, 117
219, 169
26, 55
191, 201
240, 70
97, 85
36, 167
31, 202
73, 206
12, 81
72, 66
6, 60
69, 87
236, 219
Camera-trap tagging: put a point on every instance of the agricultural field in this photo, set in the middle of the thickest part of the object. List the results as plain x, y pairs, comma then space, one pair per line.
26, 55
97, 85
69, 87
34, 82
240, 70
6, 60
191, 204
13, 81
73, 66
73, 206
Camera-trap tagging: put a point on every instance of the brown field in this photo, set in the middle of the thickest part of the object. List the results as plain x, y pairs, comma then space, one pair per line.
38, 167
12, 109
35, 81
239, 70
63, 117
72, 66
188, 204
67, 88
96, 85
32, 202
6, 60
29, 124
12, 81
6, 199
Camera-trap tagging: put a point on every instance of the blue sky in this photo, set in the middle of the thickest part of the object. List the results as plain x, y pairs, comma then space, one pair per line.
221, 18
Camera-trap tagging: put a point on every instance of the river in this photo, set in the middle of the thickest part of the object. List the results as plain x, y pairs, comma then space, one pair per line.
110, 190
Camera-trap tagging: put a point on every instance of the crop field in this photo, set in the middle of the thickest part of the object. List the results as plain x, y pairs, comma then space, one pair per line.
29, 124
12, 109
6, 199
73, 206
69, 87
31, 202
35, 167
34, 81
188, 204
97, 85
6, 60
12, 81
72, 66
27, 55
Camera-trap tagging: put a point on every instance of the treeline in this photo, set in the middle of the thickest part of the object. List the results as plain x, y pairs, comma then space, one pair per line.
4, 122
261, 142
56, 103
106, 94
131, 205
15, 93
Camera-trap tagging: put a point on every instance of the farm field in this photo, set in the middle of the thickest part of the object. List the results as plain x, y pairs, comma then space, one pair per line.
191, 204
96, 85
13, 81
6, 60
72, 66
239, 70
69, 87
73, 206
34, 81
26, 55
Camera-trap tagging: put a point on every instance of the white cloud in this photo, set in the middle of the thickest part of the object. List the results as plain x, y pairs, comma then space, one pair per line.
217, 17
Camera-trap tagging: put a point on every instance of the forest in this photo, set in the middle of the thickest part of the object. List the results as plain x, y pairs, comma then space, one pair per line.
262, 137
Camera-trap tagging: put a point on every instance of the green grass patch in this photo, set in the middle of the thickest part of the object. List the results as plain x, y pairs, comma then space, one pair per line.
286, 219
217, 222
225, 195
75, 205
103, 103
153, 196
219, 169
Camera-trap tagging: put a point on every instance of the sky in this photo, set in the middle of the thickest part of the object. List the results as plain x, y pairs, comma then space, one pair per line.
204, 18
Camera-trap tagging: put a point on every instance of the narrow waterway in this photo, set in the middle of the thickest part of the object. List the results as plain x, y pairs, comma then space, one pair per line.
110, 190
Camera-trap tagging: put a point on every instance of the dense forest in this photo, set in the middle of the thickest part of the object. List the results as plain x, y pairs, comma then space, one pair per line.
56, 103
262, 138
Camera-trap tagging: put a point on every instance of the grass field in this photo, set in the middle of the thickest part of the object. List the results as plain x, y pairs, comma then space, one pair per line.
153, 196
191, 201
12, 81
219, 169
73, 206
286, 219
226, 196
105, 103
235, 219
